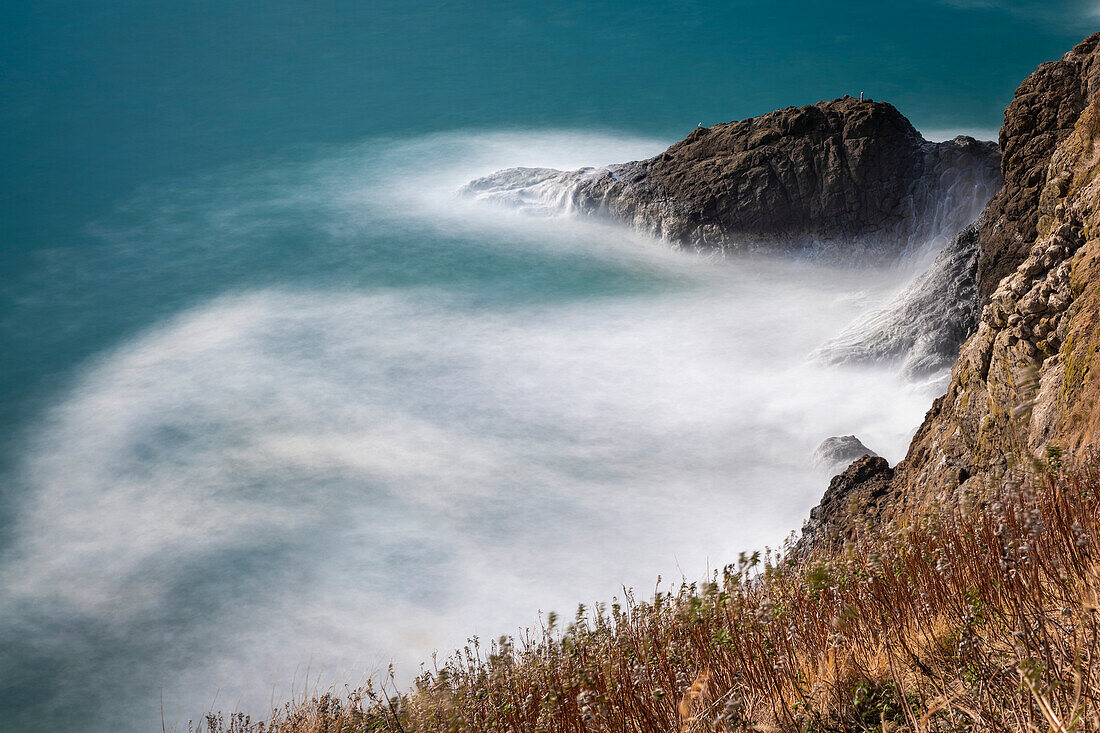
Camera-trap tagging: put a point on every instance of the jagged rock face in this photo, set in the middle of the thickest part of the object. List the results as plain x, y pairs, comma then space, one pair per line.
1042, 114
800, 176
924, 326
831, 170
1029, 377
1025, 379
854, 498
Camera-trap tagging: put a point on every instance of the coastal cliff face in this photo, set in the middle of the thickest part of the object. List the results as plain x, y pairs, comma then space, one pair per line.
1026, 384
1042, 114
829, 172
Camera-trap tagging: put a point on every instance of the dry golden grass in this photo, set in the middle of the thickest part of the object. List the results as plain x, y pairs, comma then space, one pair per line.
984, 620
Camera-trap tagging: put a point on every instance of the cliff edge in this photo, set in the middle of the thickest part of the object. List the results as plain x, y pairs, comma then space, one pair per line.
1026, 384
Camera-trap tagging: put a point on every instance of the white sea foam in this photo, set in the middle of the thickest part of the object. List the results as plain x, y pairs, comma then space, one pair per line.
301, 475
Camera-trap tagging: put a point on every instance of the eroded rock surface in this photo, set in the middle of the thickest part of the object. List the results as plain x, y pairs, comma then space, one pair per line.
1042, 114
831, 172
1028, 380
924, 326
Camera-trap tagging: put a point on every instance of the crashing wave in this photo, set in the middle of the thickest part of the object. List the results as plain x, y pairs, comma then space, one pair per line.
540, 191
924, 326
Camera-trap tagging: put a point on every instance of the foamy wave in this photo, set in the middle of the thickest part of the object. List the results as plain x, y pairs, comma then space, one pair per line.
329, 472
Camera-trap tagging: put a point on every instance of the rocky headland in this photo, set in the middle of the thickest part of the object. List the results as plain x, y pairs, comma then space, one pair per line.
831, 173
847, 179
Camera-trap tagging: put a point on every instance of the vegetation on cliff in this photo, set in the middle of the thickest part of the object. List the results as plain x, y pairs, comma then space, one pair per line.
978, 617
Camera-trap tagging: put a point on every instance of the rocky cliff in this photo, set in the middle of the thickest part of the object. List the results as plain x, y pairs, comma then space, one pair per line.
836, 171
1026, 384
1042, 114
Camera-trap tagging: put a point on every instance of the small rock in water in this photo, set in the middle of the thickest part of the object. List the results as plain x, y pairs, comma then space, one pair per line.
837, 453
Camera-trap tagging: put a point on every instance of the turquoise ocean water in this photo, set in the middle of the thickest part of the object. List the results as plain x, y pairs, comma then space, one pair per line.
277, 408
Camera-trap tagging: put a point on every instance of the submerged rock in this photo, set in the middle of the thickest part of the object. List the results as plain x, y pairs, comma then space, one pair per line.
800, 177
836, 453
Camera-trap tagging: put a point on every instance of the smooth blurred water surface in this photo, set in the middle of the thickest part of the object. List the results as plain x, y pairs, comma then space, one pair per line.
274, 399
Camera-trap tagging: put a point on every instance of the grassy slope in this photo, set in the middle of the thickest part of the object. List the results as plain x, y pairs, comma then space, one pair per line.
978, 618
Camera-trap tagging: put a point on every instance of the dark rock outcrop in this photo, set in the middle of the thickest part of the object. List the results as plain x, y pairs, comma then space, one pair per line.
839, 451
801, 176
924, 326
859, 492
